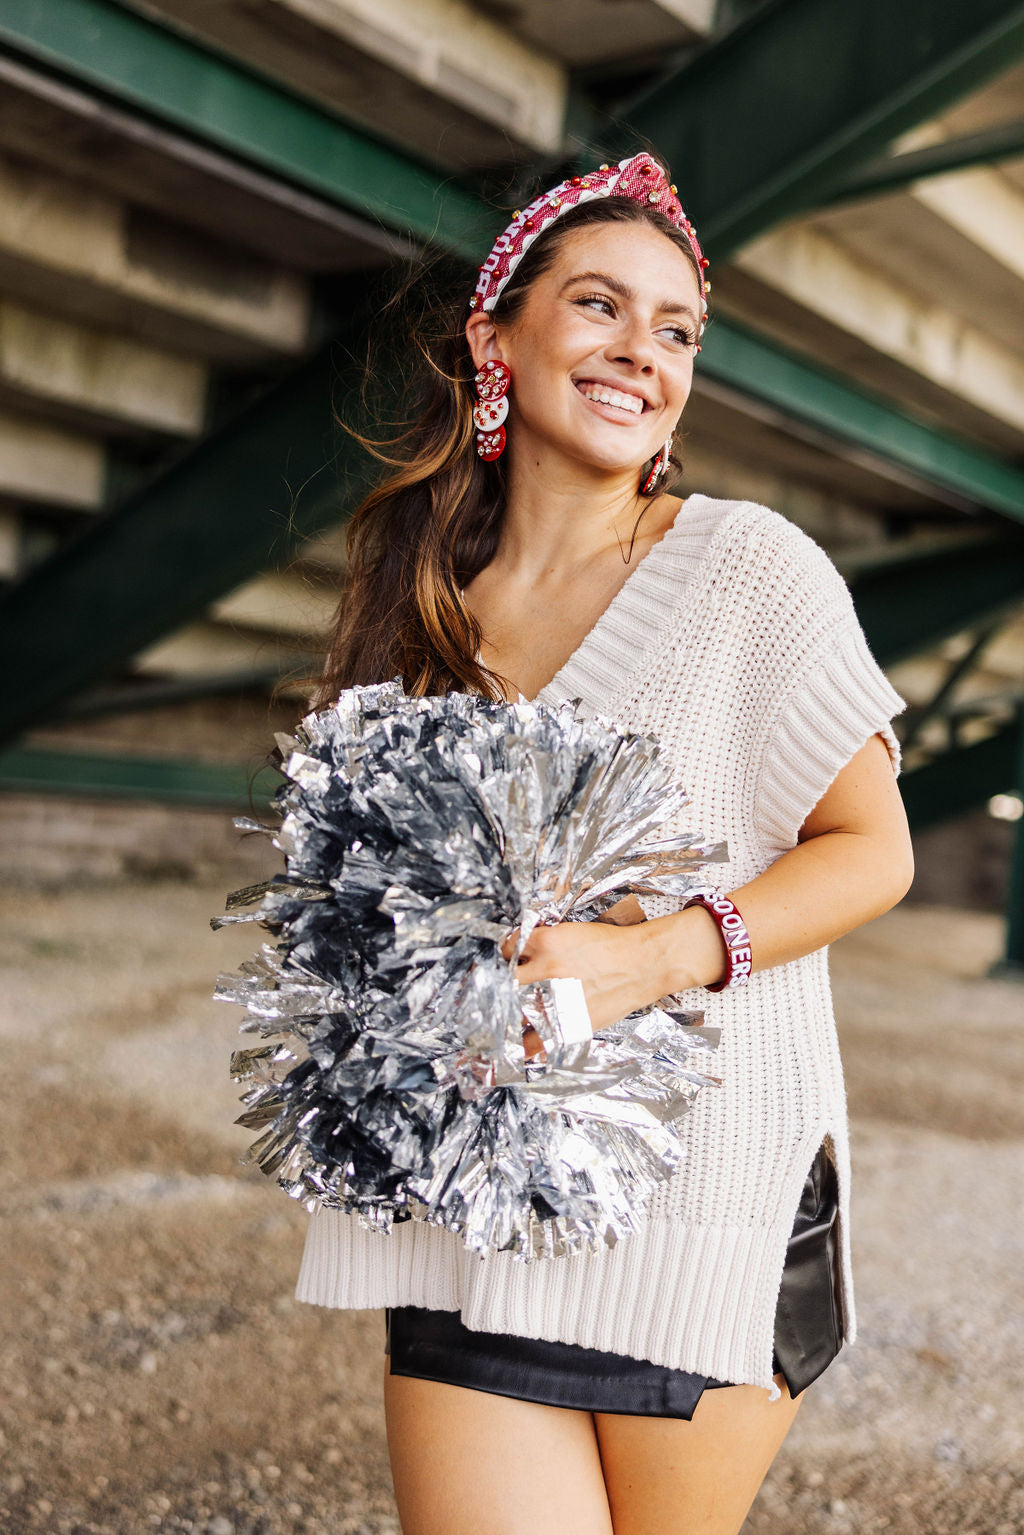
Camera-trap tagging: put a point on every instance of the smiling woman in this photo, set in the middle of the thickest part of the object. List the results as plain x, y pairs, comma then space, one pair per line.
648, 1387
600, 373
436, 522
621, 346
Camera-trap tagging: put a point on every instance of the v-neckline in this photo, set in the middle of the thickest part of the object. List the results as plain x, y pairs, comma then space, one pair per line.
639, 576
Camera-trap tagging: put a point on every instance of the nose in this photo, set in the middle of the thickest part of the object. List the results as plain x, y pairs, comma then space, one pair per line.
633, 345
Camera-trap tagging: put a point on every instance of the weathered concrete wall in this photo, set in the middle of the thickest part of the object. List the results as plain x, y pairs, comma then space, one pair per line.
74, 251
59, 367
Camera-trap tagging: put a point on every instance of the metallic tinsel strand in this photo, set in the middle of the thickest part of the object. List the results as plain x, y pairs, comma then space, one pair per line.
418, 833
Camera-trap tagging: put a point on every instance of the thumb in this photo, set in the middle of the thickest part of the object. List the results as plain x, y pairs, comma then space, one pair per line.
508, 943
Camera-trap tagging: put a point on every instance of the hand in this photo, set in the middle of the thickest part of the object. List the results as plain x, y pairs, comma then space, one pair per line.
624, 913
609, 959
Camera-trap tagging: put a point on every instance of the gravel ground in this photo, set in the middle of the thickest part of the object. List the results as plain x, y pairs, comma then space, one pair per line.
159, 1376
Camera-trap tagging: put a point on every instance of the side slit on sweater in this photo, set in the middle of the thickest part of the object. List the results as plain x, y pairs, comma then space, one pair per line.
435, 1345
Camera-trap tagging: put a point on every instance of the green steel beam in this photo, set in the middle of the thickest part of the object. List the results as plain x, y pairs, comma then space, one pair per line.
892, 173
906, 605
223, 102
227, 509
883, 70
210, 523
819, 398
936, 706
960, 780
206, 525
761, 123
175, 79
215, 785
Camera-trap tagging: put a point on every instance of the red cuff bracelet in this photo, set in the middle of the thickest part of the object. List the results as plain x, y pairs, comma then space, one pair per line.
734, 935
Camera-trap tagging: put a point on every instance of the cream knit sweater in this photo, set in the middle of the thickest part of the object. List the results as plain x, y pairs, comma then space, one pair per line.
735, 641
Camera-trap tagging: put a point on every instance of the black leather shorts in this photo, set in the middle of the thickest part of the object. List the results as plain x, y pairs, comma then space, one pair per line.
434, 1345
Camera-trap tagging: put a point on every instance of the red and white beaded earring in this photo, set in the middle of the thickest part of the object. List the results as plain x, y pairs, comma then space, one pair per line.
492, 384
649, 485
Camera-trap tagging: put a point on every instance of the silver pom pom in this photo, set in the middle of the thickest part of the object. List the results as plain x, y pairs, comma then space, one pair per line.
418, 834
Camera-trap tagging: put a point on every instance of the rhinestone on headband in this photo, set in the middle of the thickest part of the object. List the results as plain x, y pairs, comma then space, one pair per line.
638, 178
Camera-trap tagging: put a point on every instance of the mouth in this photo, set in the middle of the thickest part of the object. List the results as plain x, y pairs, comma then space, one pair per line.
622, 402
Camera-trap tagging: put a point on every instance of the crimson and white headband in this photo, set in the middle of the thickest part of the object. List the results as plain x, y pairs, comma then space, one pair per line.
639, 178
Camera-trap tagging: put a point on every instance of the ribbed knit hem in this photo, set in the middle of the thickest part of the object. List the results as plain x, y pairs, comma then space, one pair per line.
700, 1299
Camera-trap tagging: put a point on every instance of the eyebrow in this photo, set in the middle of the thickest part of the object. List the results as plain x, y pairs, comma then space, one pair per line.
626, 292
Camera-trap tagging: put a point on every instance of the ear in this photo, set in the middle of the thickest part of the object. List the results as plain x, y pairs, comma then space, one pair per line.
482, 336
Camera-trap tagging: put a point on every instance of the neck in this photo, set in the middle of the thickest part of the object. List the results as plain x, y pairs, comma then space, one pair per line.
561, 520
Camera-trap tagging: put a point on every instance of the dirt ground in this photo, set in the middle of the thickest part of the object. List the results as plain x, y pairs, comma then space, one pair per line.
158, 1375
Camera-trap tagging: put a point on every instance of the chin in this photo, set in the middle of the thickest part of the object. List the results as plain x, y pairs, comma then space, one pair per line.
603, 452
610, 459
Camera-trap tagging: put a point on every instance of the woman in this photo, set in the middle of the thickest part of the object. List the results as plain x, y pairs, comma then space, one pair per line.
644, 1390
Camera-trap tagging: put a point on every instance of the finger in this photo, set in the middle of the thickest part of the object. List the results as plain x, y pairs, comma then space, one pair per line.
532, 1043
508, 944
524, 958
529, 971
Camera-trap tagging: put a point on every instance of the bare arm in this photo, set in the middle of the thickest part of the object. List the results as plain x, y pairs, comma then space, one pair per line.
852, 862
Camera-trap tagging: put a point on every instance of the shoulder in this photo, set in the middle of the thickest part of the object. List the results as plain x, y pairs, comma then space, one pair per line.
776, 562
773, 535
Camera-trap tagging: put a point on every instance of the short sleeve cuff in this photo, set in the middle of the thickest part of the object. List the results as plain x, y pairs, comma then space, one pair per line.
842, 701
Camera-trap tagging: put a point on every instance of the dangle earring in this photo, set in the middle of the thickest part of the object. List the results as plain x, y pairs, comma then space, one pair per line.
492, 384
649, 485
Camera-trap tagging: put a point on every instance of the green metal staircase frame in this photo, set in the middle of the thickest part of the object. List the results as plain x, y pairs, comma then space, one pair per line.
790, 109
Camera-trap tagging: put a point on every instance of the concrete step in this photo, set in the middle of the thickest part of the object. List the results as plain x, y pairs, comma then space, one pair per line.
10, 544
958, 240
44, 462
589, 33
805, 288
203, 647
79, 253
94, 379
50, 122
286, 603
439, 76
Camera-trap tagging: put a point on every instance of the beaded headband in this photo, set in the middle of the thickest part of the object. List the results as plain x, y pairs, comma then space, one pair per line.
639, 178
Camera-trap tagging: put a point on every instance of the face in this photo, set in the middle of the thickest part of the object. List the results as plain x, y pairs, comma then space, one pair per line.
602, 352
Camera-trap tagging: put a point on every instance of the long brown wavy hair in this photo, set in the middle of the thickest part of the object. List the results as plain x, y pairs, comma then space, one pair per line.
433, 521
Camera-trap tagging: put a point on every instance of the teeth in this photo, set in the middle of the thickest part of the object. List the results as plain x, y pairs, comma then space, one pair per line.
604, 396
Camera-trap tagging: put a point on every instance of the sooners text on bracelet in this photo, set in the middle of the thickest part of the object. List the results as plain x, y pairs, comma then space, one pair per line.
734, 935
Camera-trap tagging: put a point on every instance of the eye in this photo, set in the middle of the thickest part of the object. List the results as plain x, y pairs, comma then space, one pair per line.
681, 336
595, 298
